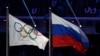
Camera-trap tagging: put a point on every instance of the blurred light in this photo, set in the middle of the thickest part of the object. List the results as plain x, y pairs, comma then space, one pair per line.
44, 21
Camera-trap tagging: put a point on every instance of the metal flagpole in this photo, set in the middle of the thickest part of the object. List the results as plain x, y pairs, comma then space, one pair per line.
50, 39
7, 31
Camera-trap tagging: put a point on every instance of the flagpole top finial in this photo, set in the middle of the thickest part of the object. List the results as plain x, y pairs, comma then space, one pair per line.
7, 7
50, 8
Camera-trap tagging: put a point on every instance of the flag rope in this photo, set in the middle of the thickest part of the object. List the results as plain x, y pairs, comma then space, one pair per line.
73, 13
29, 13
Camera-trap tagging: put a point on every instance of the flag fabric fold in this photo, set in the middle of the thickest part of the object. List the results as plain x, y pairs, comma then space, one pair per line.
21, 33
65, 34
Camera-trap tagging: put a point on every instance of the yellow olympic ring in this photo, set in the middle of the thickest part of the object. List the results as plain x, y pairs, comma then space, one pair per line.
24, 36
30, 30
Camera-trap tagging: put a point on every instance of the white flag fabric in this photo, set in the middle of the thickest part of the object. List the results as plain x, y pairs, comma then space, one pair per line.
22, 34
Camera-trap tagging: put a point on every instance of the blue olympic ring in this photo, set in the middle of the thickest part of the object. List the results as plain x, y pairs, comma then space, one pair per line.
15, 27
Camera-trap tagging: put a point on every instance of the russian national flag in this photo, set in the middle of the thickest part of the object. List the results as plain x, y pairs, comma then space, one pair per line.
65, 34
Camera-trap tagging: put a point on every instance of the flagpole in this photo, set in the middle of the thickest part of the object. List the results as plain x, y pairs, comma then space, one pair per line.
50, 39
7, 31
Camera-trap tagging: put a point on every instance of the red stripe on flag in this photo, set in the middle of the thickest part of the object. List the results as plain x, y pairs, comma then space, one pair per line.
65, 40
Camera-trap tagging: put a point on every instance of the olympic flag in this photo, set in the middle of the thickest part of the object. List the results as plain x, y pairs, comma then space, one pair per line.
22, 34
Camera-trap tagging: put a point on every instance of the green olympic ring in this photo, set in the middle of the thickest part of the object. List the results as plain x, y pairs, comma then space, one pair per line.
36, 33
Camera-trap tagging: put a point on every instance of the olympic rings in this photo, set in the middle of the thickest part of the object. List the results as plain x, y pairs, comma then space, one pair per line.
22, 31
